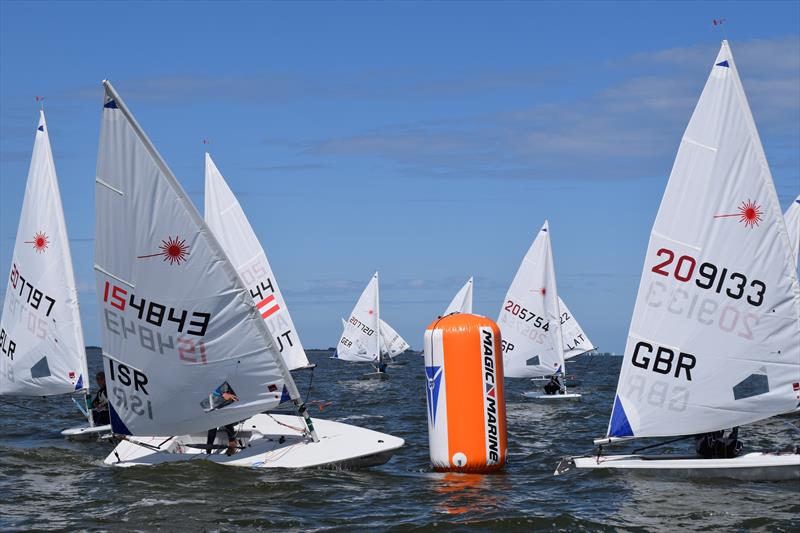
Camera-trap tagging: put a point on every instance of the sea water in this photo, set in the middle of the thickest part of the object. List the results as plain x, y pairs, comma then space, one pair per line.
49, 483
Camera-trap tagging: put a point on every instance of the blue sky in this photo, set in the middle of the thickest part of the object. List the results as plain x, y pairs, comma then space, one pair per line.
424, 140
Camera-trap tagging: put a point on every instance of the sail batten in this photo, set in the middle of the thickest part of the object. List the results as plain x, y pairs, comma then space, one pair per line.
792, 217
714, 341
40, 328
188, 349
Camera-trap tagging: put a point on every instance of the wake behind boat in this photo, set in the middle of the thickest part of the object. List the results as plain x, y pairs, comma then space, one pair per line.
186, 349
713, 342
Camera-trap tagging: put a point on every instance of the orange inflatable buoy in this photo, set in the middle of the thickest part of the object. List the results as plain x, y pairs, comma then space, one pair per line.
464, 387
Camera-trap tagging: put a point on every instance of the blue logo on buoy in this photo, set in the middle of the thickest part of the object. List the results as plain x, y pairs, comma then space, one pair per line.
434, 375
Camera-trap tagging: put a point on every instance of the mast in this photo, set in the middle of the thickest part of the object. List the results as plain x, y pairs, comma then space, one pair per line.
558, 334
378, 318
291, 387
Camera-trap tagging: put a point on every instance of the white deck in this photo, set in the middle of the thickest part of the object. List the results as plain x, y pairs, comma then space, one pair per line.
269, 441
750, 467
87, 433
542, 396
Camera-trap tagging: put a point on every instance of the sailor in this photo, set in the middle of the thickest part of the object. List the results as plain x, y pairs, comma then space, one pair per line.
552, 386
382, 366
100, 401
230, 430
716, 445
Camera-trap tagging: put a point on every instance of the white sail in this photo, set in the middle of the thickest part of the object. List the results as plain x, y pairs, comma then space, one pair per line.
576, 341
392, 344
462, 301
40, 329
530, 318
179, 327
714, 340
360, 338
227, 220
792, 217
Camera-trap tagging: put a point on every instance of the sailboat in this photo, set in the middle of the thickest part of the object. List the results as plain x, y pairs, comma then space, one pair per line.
531, 320
462, 301
792, 217
41, 338
392, 344
186, 348
226, 218
714, 340
361, 339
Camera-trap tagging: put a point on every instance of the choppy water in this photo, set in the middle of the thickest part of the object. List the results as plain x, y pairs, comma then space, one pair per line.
48, 483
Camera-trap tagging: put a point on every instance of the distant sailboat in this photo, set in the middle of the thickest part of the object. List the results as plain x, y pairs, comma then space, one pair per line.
531, 321
714, 341
362, 338
792, 217
392, 344
41, 338
233, 231
462, 301
185, 347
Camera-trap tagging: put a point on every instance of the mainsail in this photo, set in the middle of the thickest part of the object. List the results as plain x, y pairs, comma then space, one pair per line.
181, 334
576, 341
227, 220
40, 329
360, 338
530, 317
462, 301
792, 217
714, 340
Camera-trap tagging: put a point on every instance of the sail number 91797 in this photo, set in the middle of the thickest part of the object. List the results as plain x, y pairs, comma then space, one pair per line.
710, 277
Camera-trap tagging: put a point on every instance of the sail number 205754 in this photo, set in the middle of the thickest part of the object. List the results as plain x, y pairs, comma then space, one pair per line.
526, 315
156, 313
709, 276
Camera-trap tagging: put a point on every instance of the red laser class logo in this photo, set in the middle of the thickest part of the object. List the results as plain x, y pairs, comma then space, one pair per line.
40, 242
749, 212
176, 251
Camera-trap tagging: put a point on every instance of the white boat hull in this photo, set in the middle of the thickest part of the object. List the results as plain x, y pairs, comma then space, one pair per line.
87, 432
268, 441
543, 396
749, 467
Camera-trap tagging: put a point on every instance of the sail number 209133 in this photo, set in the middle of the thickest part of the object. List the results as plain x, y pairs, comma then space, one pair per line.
709, 276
